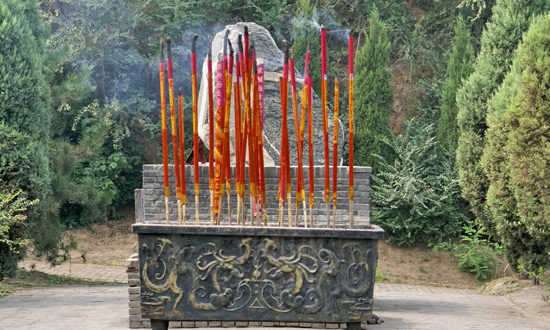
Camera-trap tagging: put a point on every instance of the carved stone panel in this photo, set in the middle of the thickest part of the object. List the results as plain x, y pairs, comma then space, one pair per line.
256, 277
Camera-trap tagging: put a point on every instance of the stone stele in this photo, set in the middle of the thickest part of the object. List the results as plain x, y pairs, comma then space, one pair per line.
273, 59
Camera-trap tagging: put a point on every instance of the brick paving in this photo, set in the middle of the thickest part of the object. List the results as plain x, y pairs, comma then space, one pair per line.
115, 274
94, 307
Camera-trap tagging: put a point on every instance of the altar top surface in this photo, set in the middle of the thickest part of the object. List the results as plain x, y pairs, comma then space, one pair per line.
369, 232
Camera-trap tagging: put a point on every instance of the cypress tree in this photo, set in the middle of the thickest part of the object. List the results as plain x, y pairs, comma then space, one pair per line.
373, 96
24, 115
500, 197
460, 67
528, 150
509, 20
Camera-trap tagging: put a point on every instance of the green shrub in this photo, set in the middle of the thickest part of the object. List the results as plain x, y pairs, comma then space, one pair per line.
13, 207
415, 198
475, 253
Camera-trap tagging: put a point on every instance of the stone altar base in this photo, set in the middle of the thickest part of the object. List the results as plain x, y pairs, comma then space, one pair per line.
222, 273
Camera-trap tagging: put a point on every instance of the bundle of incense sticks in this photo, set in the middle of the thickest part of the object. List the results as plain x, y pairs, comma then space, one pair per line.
245, 94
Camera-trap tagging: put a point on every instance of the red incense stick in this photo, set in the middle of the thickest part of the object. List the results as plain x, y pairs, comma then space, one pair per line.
164, 133
324, 93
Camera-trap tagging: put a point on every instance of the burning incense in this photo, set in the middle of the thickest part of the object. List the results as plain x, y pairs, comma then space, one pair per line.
174, 127
282, 180
182, 153
253, 145
242, 144
195, 125
300, 174
261, 136
350, 116
238, 134
310, 148
210, 131
227, 155
285, 134
219, 137
164, 133
305, 101
258, 145
335, 151
324, 93
246, 128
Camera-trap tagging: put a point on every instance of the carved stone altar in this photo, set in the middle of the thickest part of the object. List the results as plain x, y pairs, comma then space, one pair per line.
256, 273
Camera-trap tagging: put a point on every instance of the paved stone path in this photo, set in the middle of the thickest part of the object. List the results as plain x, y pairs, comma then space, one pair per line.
94, 307
84, 271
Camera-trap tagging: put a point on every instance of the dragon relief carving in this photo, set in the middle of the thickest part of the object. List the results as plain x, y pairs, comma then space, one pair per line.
302, 280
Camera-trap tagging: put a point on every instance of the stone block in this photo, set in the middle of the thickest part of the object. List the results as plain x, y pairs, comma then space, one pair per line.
135, 318
135, 324
134, 290
133, 282
134, 304
135, 311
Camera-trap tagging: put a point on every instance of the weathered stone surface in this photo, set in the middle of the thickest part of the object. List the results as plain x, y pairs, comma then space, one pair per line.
286, 275
273, 59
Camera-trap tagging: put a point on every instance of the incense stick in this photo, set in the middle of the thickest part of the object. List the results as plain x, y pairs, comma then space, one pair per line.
182, 153
350, 130
195, 125
211, 132
324, 93
174, 127
335, 151
164, 133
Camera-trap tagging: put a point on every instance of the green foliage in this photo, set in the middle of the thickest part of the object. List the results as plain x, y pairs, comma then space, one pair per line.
12, 207
103, 118
459, 68
12, 219
475, 253
86, 172
501, 202
24, 117
415, 198
509, 20
517, 151
374, 99
528, 146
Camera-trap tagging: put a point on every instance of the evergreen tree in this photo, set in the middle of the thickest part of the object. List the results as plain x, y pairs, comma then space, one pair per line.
459, 68
24, 115
500, 197
373, 97
528, 150
509, 20
416, 197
